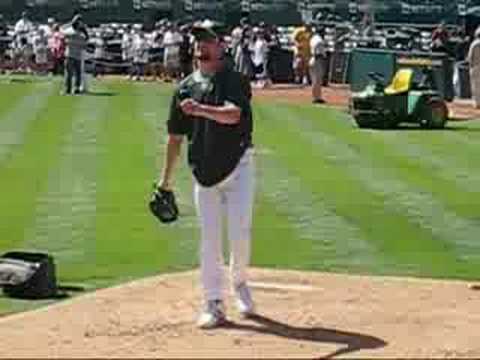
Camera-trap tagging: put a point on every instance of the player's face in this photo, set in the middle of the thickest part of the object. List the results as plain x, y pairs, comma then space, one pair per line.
208, 50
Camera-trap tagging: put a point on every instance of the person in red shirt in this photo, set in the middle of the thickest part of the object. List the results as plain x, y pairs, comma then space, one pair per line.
57, 50
440, 38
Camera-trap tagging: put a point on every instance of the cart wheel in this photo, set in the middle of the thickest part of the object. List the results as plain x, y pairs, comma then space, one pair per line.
363, 122
434, 115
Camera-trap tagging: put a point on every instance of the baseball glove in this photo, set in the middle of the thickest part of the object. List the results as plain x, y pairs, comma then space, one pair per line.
163, 205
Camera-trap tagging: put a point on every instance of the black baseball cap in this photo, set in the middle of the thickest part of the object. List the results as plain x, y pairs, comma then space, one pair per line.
207, 29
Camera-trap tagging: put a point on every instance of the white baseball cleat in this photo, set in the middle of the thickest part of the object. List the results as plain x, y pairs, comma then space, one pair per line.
213, 315
244, 302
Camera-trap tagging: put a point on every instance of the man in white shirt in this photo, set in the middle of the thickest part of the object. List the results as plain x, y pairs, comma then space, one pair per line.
22, 41
259, 51
99, 55
23, 26
141, 55
127, 49
171, 60
318, 65
40, 50
474, 62
48, 27
236, 36
76, 42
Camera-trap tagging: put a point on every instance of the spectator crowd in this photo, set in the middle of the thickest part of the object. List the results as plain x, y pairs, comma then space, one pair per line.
164, 51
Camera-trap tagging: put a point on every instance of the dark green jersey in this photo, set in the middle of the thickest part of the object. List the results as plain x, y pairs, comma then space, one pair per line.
214, 149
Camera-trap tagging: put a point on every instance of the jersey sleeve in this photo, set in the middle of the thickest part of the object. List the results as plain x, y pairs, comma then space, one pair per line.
177, 123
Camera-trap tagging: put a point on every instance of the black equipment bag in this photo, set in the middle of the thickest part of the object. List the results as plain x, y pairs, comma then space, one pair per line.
26, 275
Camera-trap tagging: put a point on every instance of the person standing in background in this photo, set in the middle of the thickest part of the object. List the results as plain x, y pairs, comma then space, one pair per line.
3, 44
242, 54
156, 52
259, 53
140, 55
76, 43
57, 50
172, 41
186, 52
127, 50
318, 65
274, 48
23, 28
48, 28
301, 54
40, 50
22, 43
474, 62
84, 79
440, 38
99, 57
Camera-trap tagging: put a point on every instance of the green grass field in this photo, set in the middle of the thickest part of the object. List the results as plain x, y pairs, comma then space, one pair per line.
76, 174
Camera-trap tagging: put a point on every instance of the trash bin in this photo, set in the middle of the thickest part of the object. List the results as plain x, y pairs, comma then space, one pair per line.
464, 86
281, 66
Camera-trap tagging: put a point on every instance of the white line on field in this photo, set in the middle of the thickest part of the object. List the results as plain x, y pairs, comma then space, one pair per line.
276, 286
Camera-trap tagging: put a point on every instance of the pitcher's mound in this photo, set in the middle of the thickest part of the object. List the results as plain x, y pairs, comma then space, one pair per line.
302, 314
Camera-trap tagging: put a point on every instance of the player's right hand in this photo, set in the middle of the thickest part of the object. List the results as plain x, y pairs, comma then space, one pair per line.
189, 106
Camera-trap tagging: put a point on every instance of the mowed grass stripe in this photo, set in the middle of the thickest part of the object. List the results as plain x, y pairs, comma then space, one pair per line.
15, 123
65, 212
128, 241
405, 244
25, 173
464, 202
463, 133
455, 162
319, 232
154, 108
418, 206
11, 95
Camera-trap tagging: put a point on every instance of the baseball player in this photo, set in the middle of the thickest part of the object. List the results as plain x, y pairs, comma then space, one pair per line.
212, 108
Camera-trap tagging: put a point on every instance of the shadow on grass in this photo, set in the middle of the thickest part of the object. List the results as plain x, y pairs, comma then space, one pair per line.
351, 341
464, 129
426, 131
101, 93
63, 292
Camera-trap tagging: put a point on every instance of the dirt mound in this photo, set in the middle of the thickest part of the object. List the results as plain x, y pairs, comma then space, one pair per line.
302, 315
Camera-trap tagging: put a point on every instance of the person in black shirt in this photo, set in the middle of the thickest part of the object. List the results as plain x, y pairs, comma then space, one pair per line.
3, 42
211, 107
186, 52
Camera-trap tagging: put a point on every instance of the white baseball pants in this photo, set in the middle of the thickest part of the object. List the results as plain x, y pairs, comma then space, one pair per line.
233, 199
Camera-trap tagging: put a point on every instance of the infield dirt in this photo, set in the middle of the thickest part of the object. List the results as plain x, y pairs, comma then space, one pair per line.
308, 315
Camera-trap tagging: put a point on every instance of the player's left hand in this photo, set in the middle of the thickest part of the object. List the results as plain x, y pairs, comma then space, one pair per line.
163, 205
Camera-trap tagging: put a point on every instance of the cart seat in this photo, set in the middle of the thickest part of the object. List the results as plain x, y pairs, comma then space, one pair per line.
401, 83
